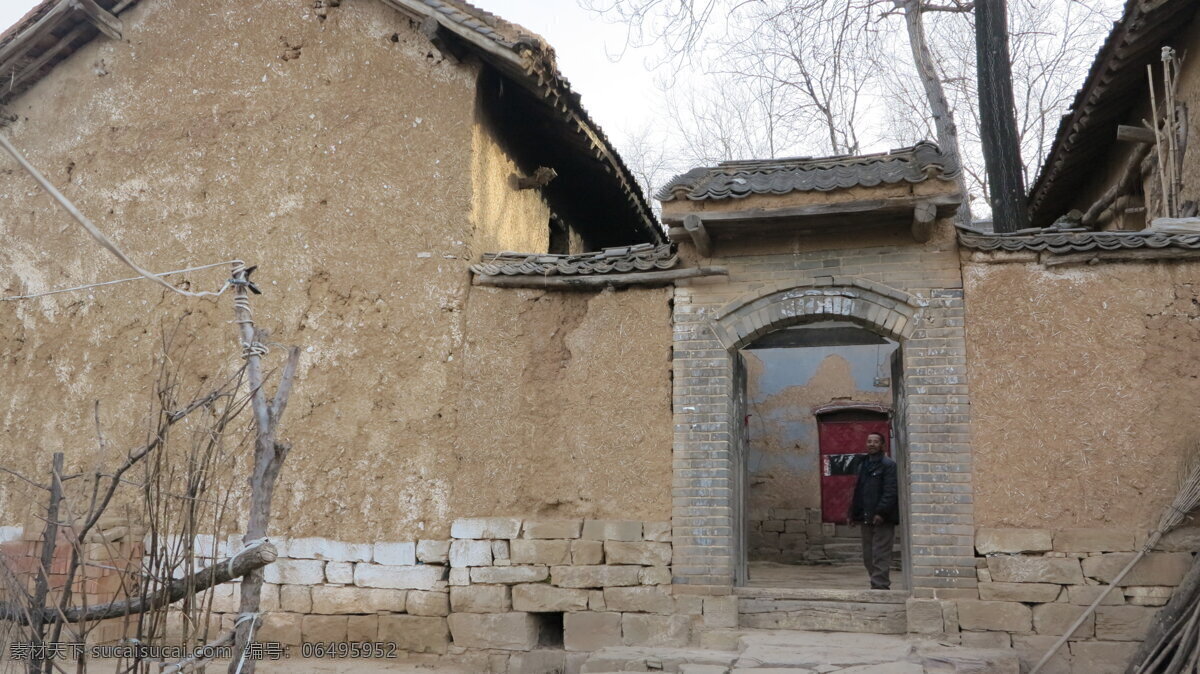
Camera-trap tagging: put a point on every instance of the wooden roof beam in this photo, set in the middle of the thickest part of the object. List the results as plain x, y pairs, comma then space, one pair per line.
105, 21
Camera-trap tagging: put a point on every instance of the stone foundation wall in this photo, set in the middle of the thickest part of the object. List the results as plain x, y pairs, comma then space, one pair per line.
1034, 583
499, 587
797, 535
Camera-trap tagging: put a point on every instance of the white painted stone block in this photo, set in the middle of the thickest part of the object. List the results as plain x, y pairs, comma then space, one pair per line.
420, 577
485, 527
433, 552
323, 548
396, 554
295, 572
470, 553
10, 534
339, 573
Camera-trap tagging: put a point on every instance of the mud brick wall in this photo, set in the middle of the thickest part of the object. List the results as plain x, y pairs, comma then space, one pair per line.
1034, 583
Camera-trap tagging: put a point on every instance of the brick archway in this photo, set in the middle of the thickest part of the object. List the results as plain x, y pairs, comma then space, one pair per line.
880, 309
706, 491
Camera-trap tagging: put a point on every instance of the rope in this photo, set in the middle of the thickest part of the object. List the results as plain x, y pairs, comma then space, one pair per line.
95, 233
245, 547
252, 617
123, 280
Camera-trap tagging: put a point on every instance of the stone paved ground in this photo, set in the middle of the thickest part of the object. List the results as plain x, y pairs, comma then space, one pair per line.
779, 651
724, 652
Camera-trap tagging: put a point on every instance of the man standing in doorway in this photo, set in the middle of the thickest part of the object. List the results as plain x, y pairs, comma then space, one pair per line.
876, 506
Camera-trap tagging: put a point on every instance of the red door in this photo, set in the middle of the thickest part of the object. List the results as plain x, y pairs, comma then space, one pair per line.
843, 444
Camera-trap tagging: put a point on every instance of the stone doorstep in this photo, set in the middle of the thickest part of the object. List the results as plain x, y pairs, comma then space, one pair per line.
855, 596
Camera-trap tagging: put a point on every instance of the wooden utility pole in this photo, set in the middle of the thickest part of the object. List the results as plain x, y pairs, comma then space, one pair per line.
269, 454
997, 117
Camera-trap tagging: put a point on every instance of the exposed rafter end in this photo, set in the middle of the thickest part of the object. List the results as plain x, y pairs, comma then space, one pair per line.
695, 228
924, 215
434, 32
105, 21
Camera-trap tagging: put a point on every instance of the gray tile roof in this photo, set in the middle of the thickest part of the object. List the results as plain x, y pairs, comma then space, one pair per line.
642, 257
1077, 242
737, 179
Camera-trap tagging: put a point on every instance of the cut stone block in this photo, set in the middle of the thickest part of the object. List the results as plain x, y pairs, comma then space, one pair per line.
994, 616
416, 634
324, 628
645, 553
1094, 540
640, 629
323, 548
595, 600
329, 600
362, 628
1123, 623
428, 603
470, 553
986, 640
396, 554
590, 631
499, 550
594, 576
552, 529
509, 574
1054, 619
1084, 595
485, 527
1148, 596
295, 598
504, 631
655, 575
1035, 570
1183, 539
644, 599
339, 573
547, 552
1102, 657
281, 627
295, 572
480, 599
587, 552
657, 531
924, 616
460, 576
421, 577
612, 530
721, 611
541, 597
538, 662
433, 552
1156, 568
1031, 648
1030, 593
989, 541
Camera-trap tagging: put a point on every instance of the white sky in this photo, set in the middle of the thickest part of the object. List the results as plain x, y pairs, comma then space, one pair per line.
617, 95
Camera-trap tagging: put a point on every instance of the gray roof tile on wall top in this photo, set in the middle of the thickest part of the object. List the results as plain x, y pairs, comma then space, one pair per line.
642, 257
1080, 242
737, 179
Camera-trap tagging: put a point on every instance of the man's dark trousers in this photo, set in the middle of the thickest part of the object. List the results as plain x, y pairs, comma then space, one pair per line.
877, 542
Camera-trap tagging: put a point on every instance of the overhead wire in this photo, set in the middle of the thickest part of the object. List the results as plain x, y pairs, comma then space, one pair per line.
94, 231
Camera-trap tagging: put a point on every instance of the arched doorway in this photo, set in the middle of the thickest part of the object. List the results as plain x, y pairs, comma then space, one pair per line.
808, 395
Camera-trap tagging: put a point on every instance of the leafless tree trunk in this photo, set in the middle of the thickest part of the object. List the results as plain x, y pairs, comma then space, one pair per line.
998, 123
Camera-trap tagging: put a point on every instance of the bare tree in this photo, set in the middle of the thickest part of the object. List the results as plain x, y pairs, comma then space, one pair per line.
854, 80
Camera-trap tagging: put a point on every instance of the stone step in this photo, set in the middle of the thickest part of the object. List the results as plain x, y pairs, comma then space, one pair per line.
865, 611
805, 651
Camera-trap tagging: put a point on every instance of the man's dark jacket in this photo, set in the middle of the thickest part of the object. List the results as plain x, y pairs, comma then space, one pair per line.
876, 492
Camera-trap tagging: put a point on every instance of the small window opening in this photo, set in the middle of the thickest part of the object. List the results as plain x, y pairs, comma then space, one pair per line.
560, 237
550, 629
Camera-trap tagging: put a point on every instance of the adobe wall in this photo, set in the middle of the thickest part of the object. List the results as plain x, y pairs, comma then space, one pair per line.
349, 164
1081, 382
